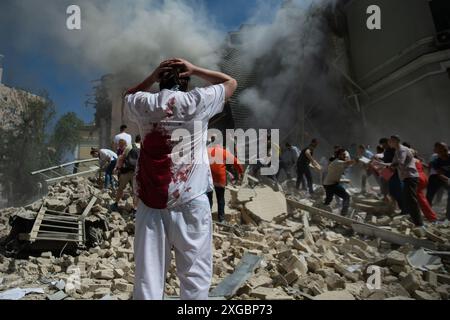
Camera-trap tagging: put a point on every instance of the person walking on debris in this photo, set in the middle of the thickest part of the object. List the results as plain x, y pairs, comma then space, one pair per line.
287, 161
441, 165
123, 135
126, 166
364, 156
425, 206
405, 164
394, 184
305, 159
174, 210
219, 157
332, 183
108, 161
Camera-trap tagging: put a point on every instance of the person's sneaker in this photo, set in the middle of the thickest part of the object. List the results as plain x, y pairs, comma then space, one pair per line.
114, 207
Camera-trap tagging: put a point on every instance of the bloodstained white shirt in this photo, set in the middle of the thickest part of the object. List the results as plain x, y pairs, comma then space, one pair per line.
168, 175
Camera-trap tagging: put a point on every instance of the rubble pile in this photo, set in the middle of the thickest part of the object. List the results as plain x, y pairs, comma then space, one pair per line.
303, 256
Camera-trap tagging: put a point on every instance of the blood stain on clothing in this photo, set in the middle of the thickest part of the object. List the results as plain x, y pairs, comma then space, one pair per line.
154, 173
170, 107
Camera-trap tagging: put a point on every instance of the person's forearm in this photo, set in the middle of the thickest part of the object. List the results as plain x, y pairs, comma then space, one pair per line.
214, 77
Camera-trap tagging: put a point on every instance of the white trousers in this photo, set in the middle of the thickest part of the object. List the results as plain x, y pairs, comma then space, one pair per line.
188, 230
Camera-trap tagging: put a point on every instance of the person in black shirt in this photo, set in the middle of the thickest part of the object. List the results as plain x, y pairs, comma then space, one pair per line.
306, 158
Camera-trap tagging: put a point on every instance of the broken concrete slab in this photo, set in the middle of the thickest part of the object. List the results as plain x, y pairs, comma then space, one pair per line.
335, 295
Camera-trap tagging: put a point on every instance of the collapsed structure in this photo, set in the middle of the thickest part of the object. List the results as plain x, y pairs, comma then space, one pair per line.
271, 247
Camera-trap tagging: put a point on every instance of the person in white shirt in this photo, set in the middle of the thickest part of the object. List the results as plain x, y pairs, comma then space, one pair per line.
174, 209
123, 135
108, 161
332, 181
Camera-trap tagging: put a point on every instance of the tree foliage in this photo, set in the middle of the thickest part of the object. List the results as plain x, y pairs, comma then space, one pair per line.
66, 135
32, 146
24, 149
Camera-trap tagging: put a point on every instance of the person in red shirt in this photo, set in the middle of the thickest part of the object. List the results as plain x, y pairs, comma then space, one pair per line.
218, 159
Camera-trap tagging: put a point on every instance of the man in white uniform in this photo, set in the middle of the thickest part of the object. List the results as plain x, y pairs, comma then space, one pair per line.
174, 209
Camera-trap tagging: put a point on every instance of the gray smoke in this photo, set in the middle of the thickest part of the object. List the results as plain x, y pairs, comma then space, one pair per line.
291, 60
126, 38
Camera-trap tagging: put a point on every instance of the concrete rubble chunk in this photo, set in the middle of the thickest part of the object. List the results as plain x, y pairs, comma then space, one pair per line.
335, 295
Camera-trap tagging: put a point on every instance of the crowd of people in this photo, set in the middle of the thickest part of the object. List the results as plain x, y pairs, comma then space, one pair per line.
402, 175
175, 199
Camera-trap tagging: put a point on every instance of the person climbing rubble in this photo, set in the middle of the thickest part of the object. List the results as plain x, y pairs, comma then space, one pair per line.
108, 161
174, 210
332, 183
219, 157
303, 165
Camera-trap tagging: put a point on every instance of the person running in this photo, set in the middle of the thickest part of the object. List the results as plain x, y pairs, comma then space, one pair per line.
219, 157
405, 164
425, 206
332, 183
172, 186
395, 185
303, 170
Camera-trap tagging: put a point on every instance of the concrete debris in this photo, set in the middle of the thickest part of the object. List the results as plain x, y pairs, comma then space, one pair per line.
304, 256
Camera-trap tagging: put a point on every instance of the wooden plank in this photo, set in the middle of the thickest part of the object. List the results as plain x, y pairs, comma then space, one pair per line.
62, 214
366, 229
59, 227
88, 208
231, 284
37, 224
61, 221
53, 239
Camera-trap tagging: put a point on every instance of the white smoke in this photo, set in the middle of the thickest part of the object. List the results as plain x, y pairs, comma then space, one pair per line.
128, 37
290, 58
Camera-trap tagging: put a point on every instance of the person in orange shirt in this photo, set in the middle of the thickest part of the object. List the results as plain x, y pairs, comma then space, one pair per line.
218, 159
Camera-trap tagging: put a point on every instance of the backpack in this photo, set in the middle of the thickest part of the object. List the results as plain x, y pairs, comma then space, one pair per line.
131, 159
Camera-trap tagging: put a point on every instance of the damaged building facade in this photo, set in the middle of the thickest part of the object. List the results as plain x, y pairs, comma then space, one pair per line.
402, 70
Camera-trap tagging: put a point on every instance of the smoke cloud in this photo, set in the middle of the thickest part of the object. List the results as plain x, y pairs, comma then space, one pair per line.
291, 58
119, 37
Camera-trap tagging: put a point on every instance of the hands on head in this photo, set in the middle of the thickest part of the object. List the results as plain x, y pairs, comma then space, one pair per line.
187, 68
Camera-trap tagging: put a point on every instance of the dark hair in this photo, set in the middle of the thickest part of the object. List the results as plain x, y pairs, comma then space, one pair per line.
171, 79
123, 128
339, 152
406, 144
138, 139
396, 138
384, 140
361, 146
380, 149
94, 151
315, 142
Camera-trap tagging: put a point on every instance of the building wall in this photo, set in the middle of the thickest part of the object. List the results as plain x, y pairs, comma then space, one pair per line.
402, 73
407, 33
